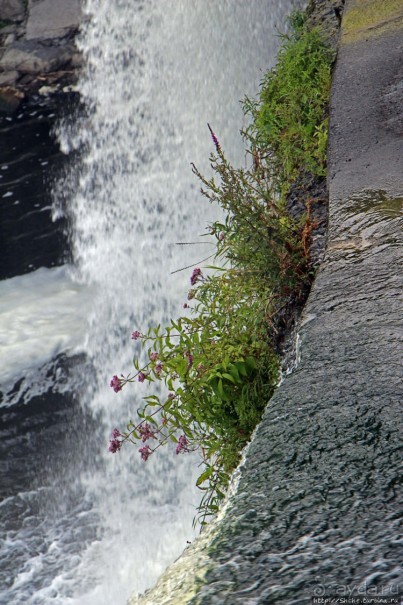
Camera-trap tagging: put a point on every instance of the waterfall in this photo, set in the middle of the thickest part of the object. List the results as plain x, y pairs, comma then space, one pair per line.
155, 73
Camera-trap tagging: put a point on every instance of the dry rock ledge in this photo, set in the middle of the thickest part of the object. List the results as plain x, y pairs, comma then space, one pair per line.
37, 49
316, 509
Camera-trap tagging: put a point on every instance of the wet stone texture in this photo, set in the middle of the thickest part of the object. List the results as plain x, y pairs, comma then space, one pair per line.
318, 502
317, 511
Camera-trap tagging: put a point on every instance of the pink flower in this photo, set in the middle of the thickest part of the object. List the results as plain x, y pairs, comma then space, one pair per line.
158, 368
190, 359
116, 433
221, 236
182, 444
116, 384
145, 452
196, 276
141, 376
136, 335
146, 432
114, 445
185, 306
154, 356
171, 395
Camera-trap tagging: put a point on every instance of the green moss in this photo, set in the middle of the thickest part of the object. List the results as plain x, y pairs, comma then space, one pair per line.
371, 17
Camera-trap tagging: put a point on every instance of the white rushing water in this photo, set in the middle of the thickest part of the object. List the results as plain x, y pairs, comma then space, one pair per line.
156, 73
42, 314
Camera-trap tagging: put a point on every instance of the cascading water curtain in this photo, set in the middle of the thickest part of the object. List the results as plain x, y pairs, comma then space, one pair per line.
155, 74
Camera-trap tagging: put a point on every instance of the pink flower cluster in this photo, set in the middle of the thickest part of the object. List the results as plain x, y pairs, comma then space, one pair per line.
182, 445
154, 356
116, 384
145, 452
146, 432
136, 335
141, 376
158, 368
196, 276
115, 444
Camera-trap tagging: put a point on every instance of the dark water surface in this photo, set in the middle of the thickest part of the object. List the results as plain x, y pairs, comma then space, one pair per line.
30, 159
41, 426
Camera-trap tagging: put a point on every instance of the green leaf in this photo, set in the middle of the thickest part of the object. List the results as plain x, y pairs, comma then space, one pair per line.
251, 363
204, 476
234, 372
229, 377
241, 367
221, 391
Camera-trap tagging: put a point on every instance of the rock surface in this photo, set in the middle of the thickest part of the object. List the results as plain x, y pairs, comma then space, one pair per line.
49, 19
12, 10
33, 58
37, 50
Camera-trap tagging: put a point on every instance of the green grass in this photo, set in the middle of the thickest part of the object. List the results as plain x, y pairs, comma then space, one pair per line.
290, 118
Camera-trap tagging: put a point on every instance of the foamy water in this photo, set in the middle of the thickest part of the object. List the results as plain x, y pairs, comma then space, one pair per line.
42, 314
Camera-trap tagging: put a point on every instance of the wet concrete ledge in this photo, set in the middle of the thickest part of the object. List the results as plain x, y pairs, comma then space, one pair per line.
317, 509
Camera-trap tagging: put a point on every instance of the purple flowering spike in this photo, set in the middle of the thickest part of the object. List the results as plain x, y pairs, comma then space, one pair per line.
136, 335
116, 433
154, 356
215, 140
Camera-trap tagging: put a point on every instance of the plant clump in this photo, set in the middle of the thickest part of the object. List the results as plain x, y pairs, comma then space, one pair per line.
290, 118
219, 362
